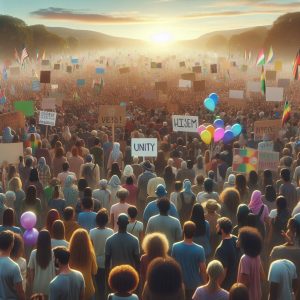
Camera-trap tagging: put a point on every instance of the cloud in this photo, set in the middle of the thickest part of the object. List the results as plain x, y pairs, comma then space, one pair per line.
56, 13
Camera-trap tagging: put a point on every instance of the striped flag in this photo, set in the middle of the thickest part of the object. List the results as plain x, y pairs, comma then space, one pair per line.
263, 81
286, 113
24, 55
296, 65
270, 56
261, 58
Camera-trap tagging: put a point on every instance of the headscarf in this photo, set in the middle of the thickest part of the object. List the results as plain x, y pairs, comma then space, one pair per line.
183, 165
70, 191
152, 185
128, 171
41, 164
255, 202
2, 201
115, 153
114, 182
103, 184
200, 163
7, 135
187, 186
231, 179
66, 134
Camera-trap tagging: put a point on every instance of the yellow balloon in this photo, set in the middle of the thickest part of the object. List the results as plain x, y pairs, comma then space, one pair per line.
211, 129
206, 137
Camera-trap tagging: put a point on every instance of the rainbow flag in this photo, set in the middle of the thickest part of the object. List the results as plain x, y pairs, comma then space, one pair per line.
270, 56
245, 160
261, 58
286, 113
295, 67
263, 81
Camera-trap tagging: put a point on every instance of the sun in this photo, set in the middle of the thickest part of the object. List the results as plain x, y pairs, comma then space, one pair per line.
161, 38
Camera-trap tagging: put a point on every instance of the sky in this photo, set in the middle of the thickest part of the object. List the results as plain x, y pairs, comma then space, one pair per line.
158, 20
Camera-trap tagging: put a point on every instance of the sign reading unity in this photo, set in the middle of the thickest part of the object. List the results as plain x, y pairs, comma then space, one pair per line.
110, 115
144, 147
185, 123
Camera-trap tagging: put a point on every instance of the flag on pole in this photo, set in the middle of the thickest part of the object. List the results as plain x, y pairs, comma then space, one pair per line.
295, 68
24, 55
286, 113
261, 58
270, 56
44, 55
263, 81
245, 55
249, 55
17, 57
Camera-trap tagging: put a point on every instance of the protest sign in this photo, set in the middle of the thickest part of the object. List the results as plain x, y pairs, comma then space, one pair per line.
199, 85
236, 94
244, 160
100, 70
14, 120
283, 82
35, 85
26, 107
155, 65
188, 76
185, 123
56, 67
47, 118
161, 86
74, 61
268, 160
271, 75
274, 94
278, 65
48, 103
54, 87
185, 83
10, 152
80, 82
45, 62
45, 76
112, 114
182, 64
14, 71
267, 128
253, 86
197, 69
265, 146
213, 68
124, 70
69, 69
144, 147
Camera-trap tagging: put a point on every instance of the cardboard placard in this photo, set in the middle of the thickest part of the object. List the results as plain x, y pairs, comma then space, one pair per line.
74, 61
236, 94
112, 114
155, 65
161, 86
253, 86
274, 94
35, 85
10, 152
48, 103
199, 86
283, 82
267, 128
47, 118
124, 70
271, 75
185, 123
56, 67
26, 107
245, 160
268, 160
213, 68
69, 69
144, 147
45, 62
188, 76
197, 69
14, 120
45, 76
184, 83
182, 64
265, 146
100, 70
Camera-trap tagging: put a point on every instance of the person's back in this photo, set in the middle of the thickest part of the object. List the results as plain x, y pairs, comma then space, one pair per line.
87, 219
288, 190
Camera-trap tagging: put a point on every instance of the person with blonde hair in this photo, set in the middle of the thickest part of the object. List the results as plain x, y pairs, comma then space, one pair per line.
15, 185
83, 259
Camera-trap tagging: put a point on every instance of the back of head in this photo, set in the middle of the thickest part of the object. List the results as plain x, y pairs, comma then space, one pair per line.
62, 254
102, 217
122, 194
239, 292
285, 174
215, 270
68, 213
6, 240
58, 230
189, 229
250, 241
87, 203
132, 212
225, 225
208, 185
231, 198
163, 205
155, 245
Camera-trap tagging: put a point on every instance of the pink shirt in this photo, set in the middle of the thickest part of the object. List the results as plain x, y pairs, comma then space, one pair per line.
116, 210
132, 189
251, 267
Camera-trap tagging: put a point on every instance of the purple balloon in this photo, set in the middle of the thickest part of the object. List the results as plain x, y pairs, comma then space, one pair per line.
28, 220
30, 237
228, 136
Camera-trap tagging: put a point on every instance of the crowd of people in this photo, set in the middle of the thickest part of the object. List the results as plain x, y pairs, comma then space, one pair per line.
181, 225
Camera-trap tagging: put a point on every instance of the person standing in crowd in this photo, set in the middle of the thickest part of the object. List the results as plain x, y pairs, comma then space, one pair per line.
58, 235
191, 258
65, 173
58, 161
115, 156
114, 185
43, 172
87, 218
69, 222
208, 192
90, 172
132, 189
230, 200
135, 227
75, 162
103, 194
57, 202
35, 181
69, 283
287, 189
185, 201
97, 152
238, 291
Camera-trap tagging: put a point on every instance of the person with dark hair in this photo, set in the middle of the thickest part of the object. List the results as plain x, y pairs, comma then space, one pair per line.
9, 221
164, 281
250, 271
164, 223
169, 178
69, 222
287, 189
123, 280
58, 160
69, 283
252, 181
186, 171
41, 269
191, 258
115, 170
75, 161
58, 235
87, 218
88, 193
241, 216
202, 232
238, 291
241, 186
208, 192
269, 197
132, 189
230, 200
198, 186
267, 179
135, 227
227, 252
97, 152
98, 236
160, 163
174, 195
57, 202
90, 171
65, 173
10, 275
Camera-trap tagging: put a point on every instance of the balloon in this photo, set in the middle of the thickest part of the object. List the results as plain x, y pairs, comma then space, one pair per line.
30, 237
219, 123
228, 127
28, 220
206, 137
211, 129
219, 133
228, 136
209, 104
236, 129
215, 97
201, 128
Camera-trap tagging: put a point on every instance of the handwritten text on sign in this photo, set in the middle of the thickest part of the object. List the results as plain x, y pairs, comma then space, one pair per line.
185, 123
144, 147
47, 118
112, 114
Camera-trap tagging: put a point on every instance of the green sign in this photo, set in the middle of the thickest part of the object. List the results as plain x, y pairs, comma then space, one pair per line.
26, 107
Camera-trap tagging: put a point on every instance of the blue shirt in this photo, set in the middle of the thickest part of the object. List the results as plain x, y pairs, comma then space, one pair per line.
87, 220
189, 256
14, 229
152, 210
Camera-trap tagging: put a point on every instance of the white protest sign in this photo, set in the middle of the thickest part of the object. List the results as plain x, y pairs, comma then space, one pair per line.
144, 147
236, 94
185, 123
10, 152
47, 118
48, 103
185, 83
265, 146
253, 86
274, 94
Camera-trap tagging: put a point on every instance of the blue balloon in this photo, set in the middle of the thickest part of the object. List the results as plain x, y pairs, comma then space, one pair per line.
219, 123
209, 104
215, 97
236, 129
228, 136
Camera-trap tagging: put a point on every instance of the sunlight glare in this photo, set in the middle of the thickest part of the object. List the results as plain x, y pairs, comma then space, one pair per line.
161, 38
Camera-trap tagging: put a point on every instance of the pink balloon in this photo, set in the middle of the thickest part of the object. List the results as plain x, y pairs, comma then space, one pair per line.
228, 127
28, 220
30, 237
201, 128
219, 133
